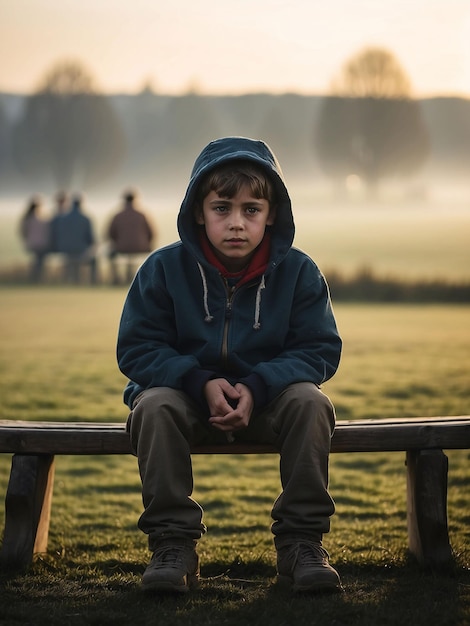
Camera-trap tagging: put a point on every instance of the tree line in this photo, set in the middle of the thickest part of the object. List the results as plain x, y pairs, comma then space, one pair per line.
369, 127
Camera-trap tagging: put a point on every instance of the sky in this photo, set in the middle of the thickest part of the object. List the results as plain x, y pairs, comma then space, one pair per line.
233, 46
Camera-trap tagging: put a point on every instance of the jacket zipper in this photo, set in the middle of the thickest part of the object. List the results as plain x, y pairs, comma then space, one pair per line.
231, 292
228, 316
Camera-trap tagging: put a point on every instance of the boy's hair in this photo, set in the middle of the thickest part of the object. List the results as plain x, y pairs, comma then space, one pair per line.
227, 180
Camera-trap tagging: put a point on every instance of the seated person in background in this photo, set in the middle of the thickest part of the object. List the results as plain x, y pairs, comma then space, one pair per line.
75, 239
60, 209
130, 233
35, 233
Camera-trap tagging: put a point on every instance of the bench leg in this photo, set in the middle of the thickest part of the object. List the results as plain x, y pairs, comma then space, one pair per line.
27, 510
428, 535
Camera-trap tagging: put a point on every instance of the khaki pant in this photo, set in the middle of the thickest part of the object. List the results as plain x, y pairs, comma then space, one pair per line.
164, 423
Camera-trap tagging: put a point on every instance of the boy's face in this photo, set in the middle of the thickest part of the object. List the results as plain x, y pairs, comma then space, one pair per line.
235, 226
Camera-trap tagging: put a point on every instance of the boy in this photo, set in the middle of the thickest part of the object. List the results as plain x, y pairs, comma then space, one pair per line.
226, 335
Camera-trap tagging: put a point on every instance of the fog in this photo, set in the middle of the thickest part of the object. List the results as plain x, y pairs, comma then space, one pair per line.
424, 237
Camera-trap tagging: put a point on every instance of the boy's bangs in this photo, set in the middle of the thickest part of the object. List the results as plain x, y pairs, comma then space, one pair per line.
228, 181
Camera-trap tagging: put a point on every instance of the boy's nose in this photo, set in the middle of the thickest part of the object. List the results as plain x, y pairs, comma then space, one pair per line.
237, 220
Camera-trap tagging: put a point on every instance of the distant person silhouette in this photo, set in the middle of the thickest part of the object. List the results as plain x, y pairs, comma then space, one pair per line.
61, 208
75, 239
130, 233
35, 233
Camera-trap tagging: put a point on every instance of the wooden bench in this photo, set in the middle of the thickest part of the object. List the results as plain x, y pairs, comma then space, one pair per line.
35, 444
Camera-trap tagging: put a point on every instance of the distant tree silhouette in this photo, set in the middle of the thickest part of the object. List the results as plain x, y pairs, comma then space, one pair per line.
284, 123
372, 73
145, 131
190, 122
68, 131
3, 140
451, 134
370, 126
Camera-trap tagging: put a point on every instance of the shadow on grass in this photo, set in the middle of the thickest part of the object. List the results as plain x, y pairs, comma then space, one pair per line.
109, 592
234, 529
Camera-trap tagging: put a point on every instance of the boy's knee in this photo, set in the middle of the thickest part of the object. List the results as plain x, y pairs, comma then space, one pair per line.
307, 404
151, 408
163, 413
155, 399
309, 395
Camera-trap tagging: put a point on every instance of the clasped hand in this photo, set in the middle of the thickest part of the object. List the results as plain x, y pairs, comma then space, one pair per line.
230, 406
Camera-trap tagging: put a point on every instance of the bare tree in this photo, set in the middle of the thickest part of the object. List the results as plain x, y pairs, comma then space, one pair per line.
371, 127
372, 73
68, 131
3, 140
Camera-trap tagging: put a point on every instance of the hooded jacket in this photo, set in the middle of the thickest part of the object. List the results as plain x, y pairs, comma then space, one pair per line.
180, 326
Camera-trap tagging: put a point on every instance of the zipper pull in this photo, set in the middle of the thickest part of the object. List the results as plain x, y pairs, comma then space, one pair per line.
228, 306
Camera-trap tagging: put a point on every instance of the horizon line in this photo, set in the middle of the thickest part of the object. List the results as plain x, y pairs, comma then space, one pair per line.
237, 93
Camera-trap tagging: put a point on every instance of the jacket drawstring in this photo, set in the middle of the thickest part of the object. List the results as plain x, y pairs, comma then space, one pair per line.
208, 318
257, 325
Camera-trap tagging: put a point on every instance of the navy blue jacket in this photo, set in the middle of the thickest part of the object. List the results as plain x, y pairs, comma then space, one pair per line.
72, 233
179, 327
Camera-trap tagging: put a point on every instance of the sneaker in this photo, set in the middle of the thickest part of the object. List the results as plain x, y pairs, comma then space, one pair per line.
174, 566
304, 565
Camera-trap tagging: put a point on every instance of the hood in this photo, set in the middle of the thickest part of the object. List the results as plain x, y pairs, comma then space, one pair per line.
231, 149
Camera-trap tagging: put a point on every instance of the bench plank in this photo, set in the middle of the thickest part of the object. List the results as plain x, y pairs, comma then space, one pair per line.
349, 436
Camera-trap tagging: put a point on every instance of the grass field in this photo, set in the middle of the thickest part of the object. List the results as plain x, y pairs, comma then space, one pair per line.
57, 362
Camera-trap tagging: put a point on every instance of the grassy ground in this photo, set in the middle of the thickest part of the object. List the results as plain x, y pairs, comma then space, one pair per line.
57, 362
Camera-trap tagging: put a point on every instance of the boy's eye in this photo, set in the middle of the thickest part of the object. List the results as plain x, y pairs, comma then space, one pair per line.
221, 208
252, 210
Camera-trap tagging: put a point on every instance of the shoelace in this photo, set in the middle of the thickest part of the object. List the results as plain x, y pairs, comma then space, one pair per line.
169, 555
306, 553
